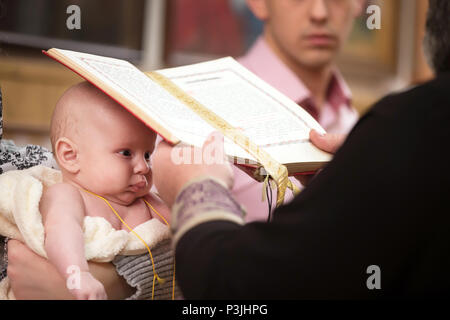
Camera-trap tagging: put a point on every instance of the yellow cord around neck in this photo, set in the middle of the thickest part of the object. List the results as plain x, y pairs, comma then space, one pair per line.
155, 275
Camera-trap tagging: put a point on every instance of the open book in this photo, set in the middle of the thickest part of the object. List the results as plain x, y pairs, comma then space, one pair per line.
229, 91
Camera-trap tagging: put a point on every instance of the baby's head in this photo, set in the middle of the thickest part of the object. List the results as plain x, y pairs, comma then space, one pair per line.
100, 146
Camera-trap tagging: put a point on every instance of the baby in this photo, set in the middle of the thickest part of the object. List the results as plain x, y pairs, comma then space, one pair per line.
103, 150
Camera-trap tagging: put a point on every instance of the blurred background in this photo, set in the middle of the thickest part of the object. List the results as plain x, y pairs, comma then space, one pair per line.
154, 34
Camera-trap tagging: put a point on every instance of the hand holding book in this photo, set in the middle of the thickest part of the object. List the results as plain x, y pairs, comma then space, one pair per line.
169, 177
326, 142
264, 130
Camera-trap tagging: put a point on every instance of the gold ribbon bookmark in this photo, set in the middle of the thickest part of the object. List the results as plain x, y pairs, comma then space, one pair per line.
275, 170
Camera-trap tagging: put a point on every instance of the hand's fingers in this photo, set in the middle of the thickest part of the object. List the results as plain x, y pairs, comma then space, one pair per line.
162, 146
158, 156
214, 139
213, 151
15, 248
327, 142
12, 244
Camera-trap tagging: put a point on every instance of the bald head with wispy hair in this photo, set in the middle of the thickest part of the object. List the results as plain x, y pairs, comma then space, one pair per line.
78, 107
63, 118
99, 144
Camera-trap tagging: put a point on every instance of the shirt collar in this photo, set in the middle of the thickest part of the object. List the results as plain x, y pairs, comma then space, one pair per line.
262, 61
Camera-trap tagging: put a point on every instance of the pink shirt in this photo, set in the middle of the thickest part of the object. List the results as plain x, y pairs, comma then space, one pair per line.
337, 116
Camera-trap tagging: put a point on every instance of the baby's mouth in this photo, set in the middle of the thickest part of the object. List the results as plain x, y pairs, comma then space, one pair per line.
138, 186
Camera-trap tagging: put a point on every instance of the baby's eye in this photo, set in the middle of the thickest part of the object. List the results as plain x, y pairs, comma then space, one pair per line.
147, 156
125, 153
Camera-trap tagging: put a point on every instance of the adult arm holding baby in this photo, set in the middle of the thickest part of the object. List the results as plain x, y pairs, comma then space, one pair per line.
33, 277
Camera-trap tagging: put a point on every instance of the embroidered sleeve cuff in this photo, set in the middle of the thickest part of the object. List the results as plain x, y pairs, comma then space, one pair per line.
200, 201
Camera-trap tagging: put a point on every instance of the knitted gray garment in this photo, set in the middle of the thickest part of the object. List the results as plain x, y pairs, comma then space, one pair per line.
138, 272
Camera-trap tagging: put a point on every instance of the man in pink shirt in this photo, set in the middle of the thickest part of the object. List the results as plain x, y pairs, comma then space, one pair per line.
296, 54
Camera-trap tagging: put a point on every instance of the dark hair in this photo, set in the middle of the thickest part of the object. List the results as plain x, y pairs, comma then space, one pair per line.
437, 37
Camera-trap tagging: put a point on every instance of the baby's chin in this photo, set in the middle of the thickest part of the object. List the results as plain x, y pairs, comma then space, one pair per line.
128, 197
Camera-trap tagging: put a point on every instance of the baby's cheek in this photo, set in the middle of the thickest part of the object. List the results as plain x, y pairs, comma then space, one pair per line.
149, 177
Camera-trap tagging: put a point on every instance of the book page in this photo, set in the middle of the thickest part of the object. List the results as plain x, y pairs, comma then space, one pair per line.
267, 117
128, 81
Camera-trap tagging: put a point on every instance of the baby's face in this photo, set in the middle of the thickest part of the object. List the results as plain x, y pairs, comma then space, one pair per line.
115, 150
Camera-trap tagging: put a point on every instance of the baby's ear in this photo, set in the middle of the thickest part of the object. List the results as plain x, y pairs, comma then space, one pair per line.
66, 152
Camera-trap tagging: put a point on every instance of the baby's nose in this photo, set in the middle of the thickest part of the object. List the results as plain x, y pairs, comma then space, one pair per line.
141, 166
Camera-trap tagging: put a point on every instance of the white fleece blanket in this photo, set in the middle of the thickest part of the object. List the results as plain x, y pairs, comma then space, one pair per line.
20, 193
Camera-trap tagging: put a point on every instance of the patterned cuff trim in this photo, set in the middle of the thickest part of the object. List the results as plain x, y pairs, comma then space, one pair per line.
201, 201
